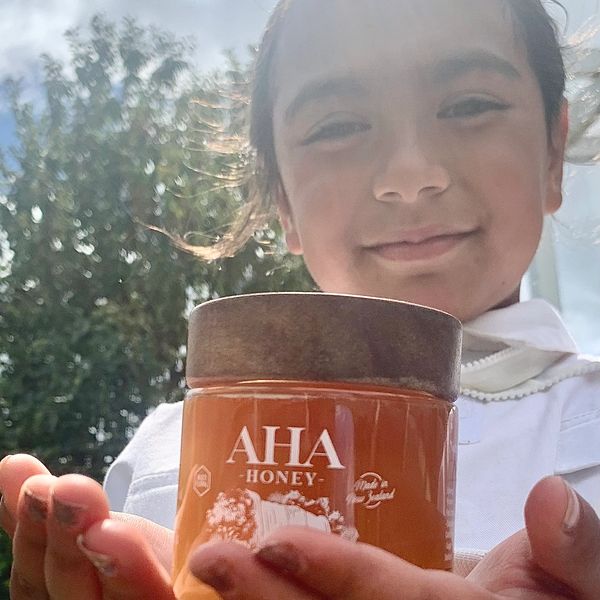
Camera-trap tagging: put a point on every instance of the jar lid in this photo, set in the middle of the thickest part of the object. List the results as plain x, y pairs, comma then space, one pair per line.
324, 337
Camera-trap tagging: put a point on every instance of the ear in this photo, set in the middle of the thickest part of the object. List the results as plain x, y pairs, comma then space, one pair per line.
556, 150
284, 211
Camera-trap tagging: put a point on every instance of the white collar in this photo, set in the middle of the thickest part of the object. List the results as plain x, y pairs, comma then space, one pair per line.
534, 323
522, 345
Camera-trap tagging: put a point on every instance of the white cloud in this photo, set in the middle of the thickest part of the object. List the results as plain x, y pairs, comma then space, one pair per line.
29, 28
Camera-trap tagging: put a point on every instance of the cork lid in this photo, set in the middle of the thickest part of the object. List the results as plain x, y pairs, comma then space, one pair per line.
324, 337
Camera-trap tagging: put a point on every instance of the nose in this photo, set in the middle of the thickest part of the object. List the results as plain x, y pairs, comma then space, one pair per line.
408, 171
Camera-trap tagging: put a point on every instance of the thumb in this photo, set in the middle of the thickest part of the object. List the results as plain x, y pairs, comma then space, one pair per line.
564, 533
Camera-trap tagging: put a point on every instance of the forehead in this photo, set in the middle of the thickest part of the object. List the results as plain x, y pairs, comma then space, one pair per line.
398, 38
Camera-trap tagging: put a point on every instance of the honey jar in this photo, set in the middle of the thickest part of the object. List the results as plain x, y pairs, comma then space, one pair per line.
327, 411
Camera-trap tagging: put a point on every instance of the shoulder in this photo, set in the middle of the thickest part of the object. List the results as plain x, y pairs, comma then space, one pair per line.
158, 434
166, 419
148, 467
157, 439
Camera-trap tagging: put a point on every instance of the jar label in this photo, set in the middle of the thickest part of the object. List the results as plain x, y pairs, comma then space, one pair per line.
370, 490
243, 515
246, 516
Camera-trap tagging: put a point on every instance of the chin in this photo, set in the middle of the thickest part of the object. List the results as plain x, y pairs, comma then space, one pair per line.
437, 300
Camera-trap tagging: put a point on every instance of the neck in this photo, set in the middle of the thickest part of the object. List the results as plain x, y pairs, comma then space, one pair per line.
514, 298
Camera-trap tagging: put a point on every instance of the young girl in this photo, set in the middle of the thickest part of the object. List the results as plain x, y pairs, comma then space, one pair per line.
412, 151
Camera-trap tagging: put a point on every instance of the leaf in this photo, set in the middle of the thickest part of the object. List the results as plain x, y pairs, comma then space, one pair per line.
93, 305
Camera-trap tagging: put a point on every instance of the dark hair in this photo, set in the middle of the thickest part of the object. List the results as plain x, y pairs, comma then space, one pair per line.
532, 23
540, 33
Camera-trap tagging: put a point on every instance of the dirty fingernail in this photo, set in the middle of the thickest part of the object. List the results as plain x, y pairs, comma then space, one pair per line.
67, 514
217, 575
37, 508
104, 564
284, 557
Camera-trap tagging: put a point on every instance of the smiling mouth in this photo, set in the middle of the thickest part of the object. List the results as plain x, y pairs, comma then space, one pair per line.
426, 249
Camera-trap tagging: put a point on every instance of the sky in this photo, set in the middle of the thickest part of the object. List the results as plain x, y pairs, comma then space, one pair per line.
29, 28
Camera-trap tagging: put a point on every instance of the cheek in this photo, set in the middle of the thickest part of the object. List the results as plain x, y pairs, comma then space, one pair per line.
325, 192
504, 176
505, 169
512, 215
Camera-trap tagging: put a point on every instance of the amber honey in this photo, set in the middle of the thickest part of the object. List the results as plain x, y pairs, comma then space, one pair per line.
368, 462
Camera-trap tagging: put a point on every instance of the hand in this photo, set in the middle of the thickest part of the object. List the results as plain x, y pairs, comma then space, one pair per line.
556, 558
67, 545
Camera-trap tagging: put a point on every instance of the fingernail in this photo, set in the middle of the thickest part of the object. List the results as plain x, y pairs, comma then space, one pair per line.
104, 564
284, 557
36, 507
217, 575
66, 513
573, 511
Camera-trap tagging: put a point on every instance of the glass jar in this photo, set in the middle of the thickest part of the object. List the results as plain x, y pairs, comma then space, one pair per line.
326, 411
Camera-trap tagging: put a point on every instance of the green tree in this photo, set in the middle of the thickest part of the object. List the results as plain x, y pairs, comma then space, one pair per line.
93, 301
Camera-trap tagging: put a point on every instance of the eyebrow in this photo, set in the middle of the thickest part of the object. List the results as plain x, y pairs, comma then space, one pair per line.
324, 88
476, 60
444, 71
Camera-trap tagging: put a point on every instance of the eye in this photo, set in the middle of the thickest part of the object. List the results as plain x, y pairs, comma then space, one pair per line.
336, 131
471, 107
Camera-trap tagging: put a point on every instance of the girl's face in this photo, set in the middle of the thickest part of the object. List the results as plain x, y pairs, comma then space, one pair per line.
413, 150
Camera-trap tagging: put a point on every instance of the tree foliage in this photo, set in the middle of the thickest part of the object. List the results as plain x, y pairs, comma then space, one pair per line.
93, 301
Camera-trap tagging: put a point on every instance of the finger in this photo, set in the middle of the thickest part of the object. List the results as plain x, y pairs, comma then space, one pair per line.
508, 566
29, 541
160, 539
330, 567
235, 573
14, 470
127, 567
76, 503
7, 521
564, 533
